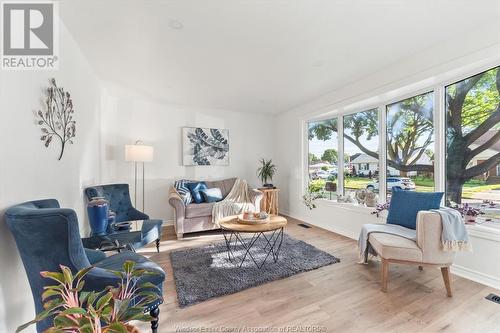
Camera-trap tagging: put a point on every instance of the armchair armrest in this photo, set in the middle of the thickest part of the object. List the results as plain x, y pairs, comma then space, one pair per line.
137, 214
175, 200
429, 230
256, 196
94, 255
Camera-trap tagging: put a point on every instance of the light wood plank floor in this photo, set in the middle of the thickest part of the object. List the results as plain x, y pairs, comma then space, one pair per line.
344, 297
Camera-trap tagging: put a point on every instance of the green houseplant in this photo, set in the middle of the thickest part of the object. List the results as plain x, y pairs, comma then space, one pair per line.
266, 172
107, 311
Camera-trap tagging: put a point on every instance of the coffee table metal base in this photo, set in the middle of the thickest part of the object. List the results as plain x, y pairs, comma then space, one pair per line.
272, 245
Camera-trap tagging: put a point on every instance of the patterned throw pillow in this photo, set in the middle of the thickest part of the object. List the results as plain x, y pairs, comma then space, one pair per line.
183, 190
195, 189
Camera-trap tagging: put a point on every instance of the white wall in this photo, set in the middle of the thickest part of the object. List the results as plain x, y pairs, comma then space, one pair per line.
128, 117
463, 55
29, 171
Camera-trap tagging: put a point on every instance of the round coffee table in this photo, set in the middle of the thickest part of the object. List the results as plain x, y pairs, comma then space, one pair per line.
271, 234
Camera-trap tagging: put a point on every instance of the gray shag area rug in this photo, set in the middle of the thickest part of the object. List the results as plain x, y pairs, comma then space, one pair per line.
206, 272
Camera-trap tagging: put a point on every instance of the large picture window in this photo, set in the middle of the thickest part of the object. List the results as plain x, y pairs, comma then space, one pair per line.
410, 144
473, 139
466, 132
323, 157
361, 151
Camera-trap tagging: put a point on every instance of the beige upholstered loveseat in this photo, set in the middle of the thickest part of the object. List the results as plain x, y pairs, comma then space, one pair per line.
425, 251
198, 217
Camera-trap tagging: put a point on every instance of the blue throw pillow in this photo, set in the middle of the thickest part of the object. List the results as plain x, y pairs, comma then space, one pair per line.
195, 189
406, 204
183, 190
212, 194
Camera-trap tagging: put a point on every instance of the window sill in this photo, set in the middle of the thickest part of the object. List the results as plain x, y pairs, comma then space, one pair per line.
347, 206
484, 231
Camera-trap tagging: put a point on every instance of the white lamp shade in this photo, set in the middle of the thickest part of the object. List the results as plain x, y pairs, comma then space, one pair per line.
138, 153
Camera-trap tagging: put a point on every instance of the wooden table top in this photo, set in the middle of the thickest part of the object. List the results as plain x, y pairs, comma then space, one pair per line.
231, 223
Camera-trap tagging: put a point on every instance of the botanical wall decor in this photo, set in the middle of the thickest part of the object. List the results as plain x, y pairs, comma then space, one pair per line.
56, 121
205, 146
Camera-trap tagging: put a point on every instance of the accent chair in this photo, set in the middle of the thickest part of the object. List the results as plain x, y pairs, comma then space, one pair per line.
425, 251
48, 236
118, 196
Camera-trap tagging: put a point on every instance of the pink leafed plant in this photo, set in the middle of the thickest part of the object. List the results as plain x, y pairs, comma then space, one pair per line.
107, 311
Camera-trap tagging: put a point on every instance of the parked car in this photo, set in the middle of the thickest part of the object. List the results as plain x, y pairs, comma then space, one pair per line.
320, 174
397, 182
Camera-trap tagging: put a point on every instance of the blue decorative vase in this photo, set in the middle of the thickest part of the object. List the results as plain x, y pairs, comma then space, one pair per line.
98, 209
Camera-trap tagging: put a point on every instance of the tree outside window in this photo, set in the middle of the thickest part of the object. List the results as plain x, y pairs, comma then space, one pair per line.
410, 144
323, 159
473, 138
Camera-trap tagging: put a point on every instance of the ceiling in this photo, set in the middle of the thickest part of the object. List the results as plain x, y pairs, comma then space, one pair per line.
261, 55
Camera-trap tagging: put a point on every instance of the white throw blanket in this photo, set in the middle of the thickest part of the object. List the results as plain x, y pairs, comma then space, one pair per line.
236, 202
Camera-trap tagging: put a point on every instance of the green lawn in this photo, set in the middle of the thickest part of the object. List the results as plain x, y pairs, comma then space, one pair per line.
423, 184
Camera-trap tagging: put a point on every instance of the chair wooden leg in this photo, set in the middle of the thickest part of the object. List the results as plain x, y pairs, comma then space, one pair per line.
155, 313
158, 245
384, 273
420, 268
445, 271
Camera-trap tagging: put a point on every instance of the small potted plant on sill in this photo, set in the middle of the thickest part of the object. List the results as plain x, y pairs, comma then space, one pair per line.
266, 172
310, 197
108, 311
469, 213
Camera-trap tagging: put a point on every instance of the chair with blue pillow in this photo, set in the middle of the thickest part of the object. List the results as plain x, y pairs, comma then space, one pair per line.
411, 210
48, 236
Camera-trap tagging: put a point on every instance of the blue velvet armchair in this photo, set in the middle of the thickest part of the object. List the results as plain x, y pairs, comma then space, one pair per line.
48, 236
118, 196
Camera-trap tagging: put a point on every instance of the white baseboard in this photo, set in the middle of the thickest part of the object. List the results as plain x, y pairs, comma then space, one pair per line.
467, 273
332, 228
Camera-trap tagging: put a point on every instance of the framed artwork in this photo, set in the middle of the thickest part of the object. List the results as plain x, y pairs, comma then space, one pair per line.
205, 146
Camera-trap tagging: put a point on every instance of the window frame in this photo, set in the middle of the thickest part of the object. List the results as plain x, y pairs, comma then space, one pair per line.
436, 84
341, 117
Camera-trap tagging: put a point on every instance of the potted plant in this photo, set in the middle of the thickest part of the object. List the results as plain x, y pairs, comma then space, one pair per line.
266, 172
108, 311
310, 197
379, 208
469, 213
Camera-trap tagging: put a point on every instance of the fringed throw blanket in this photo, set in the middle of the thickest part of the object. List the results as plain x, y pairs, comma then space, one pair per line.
236, 202
454, 236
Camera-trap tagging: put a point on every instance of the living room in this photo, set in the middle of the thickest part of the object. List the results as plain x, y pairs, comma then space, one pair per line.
200, 140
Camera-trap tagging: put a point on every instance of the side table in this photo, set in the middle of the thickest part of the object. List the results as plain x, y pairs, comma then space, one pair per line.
270, 200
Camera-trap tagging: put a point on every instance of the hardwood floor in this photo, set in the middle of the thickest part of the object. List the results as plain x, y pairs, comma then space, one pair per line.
344, 297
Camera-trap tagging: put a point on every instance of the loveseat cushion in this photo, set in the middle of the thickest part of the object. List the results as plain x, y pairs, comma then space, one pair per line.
405, 206
225, 185
199, 210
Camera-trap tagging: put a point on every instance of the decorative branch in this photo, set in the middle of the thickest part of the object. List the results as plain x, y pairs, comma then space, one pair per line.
57, 120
